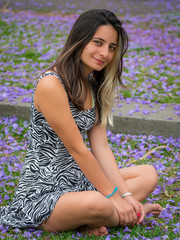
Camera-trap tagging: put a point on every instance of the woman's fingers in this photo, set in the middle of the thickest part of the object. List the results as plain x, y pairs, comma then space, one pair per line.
121, 219
142, 214
138, 208
135, 218
131, 217
127, 220
139, 212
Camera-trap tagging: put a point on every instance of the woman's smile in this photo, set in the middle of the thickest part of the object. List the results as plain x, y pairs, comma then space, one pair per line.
100, 62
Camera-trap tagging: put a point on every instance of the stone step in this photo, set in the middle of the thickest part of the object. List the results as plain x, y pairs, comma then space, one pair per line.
129, 117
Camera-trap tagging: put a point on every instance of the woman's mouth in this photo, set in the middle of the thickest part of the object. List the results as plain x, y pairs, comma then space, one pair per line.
99, 61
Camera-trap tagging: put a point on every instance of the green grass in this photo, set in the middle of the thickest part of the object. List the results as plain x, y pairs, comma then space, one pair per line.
25, 42
170, 192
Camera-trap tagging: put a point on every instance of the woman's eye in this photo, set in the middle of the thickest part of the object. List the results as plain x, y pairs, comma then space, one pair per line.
112, 48
98, 43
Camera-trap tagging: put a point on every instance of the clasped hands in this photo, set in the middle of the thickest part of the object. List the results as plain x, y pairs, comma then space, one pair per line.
130, 211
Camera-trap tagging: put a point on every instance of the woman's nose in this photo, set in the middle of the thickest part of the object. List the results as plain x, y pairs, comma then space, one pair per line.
104, 51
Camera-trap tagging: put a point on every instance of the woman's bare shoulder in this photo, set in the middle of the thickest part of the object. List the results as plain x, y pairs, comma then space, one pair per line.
49, 88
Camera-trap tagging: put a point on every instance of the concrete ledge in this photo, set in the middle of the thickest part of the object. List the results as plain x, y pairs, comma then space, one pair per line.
21, 111
139, 124
143, 126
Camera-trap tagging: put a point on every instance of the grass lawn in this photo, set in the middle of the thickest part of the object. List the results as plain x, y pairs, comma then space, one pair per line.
129, 150
30, 43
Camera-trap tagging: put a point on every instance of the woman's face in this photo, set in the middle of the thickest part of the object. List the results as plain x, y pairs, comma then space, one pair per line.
100, 50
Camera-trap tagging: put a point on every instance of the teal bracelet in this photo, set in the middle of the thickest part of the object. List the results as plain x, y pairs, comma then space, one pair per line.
110, 195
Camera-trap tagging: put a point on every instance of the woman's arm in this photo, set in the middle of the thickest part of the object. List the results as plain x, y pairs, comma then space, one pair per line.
100, 148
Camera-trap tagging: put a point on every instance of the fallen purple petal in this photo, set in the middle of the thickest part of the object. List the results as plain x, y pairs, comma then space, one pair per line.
145, 111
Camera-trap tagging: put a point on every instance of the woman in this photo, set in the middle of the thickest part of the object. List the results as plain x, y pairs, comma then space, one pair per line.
63, 185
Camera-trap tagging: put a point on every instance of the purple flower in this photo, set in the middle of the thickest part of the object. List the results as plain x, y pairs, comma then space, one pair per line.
157, 191
128, 100
145, 111
16, 230
2, 174
6, 197
127, 230
176, 230
108, 237
38, 233
151, 105
49, 4
119, 105
163, 106
27, 234
177, 113
79, 234
15, 125
131, 112
177, 108
137, 109
26, 100
11, 184
171, 181
154, 111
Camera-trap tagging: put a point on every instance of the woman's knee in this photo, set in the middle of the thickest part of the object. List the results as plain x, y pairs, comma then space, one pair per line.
151, 176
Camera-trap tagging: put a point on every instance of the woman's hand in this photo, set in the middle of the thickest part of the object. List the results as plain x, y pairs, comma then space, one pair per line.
126, 211
138, 207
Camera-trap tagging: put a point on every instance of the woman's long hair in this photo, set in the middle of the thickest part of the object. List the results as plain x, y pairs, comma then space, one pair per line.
68, 64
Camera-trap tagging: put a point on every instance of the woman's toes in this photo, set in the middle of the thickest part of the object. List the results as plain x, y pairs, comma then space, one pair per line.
155, 209
97, 231
103, 230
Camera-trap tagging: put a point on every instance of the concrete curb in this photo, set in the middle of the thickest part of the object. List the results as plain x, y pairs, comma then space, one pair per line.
22, 111
159, 120
143, 126
164, 123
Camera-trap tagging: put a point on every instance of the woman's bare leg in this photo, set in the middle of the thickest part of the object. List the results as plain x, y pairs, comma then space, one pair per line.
142, 180
76, 209
90, 211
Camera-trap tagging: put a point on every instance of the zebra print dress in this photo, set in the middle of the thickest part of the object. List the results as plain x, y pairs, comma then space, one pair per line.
48, 172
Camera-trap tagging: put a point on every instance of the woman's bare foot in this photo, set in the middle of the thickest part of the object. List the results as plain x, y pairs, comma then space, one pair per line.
155, 209
97, 231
